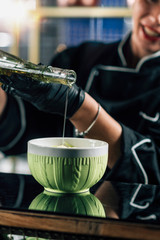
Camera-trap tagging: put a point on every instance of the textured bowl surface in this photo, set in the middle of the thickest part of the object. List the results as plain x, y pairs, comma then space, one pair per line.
67, 170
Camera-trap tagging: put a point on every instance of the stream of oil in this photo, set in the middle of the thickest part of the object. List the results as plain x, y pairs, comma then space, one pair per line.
65, 116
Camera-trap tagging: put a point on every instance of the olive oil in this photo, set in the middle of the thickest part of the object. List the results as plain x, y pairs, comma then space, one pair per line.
65, 116
10, 64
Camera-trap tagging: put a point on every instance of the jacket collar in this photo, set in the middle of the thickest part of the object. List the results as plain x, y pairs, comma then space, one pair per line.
141, 62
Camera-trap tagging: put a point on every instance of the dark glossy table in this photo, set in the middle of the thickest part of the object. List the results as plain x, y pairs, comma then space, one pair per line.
114, 211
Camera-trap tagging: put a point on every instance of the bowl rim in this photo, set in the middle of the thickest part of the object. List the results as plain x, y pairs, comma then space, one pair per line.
92, 151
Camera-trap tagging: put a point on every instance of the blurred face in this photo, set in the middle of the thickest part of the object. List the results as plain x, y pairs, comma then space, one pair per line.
146, 27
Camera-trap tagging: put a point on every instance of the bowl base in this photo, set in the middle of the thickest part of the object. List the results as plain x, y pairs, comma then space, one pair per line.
65, 192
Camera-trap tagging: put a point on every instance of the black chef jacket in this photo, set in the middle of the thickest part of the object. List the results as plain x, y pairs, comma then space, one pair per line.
130, 95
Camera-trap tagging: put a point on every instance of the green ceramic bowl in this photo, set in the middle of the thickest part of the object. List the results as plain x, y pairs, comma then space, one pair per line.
80, 204
67, 170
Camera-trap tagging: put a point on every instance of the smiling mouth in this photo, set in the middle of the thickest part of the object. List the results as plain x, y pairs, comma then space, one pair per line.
153, 35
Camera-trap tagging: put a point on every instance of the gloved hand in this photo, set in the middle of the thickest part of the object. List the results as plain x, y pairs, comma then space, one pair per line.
47, 97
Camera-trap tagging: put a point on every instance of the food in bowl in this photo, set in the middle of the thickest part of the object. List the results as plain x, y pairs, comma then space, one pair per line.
67, 170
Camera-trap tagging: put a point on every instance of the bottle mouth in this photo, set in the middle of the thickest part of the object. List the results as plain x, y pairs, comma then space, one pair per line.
71, 77
63, 76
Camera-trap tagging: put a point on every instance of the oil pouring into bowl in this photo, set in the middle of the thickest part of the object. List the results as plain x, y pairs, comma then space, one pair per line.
12, 65
67, 170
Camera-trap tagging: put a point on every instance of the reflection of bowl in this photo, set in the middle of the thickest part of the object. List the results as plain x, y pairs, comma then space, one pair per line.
74, 169
83, 203
35, 238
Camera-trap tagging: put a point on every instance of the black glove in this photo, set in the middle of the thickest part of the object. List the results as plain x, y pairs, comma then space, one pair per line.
47, 97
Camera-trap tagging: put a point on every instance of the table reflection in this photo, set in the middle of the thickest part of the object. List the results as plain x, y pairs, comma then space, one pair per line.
123, 201
82, 204
135, 202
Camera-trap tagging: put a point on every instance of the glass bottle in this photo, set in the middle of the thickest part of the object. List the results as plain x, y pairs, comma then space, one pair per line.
10, 64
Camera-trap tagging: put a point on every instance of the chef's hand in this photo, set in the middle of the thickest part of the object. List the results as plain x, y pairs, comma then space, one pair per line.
48, 97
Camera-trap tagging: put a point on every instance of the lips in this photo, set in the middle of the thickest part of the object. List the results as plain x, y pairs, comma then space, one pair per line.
151, 34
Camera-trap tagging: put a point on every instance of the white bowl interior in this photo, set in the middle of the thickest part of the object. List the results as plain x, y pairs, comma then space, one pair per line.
81, 147
75, 142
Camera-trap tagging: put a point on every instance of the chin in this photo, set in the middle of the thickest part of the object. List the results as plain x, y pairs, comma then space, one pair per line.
142, 46
152, 44
147, 46
154, 50
151, 50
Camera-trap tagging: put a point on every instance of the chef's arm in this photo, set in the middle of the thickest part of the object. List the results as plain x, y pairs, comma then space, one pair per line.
82, 109
3, 101
105, 127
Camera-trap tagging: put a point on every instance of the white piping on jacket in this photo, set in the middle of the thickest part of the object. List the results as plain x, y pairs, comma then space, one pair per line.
149, 217
134, 197
137, 158
94, 70
152, 119
120, 47
140, 63
23, 126
20, 191
143, 172
93, 73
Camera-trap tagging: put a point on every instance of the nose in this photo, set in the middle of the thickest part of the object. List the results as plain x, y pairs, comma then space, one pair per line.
158, 19
157, 14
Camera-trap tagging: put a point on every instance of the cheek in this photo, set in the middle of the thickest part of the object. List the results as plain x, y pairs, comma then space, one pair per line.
139, 11
135, 20
139, 14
